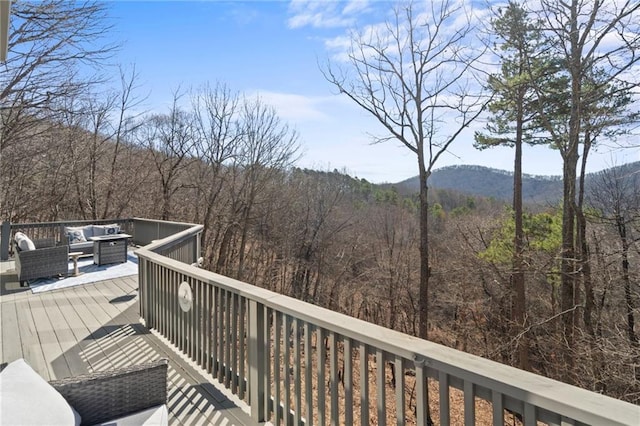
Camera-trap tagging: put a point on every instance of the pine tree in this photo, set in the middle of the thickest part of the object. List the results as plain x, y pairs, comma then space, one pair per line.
512, 123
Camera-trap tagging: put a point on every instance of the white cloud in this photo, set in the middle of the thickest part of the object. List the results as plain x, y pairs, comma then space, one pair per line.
296, 108
355, 6
325, 14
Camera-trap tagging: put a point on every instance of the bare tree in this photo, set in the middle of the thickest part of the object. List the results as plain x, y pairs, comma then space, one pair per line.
615, 194
413, 75
268, 147
48, 42
217, 135
313, 223
264, 147
168, 139
595, 38
97, 126
124, 119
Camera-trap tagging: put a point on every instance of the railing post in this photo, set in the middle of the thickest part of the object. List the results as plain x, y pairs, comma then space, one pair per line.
198, 246
256, 361
142, 291
422, 398
4, 243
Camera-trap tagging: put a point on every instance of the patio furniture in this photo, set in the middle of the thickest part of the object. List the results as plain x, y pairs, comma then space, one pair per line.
133, 391
79, 237
110, 248
44, 260
130, 395
74, 256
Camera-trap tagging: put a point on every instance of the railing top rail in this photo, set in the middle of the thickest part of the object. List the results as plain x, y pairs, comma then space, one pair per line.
166, 222
552, 395
63, 222
169, 241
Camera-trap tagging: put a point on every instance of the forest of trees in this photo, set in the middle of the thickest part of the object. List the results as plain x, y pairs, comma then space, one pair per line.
72, 150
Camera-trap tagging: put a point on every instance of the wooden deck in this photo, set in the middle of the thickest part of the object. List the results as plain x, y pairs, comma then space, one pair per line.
96, 327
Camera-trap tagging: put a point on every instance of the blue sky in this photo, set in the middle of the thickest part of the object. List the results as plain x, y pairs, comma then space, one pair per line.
272, 48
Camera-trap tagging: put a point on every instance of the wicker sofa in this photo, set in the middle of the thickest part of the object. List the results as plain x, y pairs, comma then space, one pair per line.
130, 392
78, 238
135, 395
44, 259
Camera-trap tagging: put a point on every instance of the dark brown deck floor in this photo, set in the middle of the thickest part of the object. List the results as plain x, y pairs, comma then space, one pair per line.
95, 327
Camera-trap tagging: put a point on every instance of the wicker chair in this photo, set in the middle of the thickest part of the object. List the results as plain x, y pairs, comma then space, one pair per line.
46, 260
103, 396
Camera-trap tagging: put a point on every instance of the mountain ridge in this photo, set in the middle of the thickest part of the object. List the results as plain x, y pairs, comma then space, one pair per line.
496, 183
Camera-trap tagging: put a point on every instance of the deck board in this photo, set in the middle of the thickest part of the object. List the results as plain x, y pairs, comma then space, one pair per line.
11, 343
64, 334
30, 343
76, 326
48, 340
95, 327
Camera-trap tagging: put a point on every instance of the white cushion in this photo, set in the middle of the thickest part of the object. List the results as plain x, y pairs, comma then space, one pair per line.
24, 242
154, 416
27, 399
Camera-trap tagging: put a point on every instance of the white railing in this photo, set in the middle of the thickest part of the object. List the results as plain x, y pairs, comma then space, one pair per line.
296, 363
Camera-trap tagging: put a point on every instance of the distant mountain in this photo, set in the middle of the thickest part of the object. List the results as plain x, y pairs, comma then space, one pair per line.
498, 184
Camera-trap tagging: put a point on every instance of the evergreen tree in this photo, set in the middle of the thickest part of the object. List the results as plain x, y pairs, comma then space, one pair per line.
512, 123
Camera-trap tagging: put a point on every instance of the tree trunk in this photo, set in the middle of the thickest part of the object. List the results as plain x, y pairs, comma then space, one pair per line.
518, 300
423, 301
425, 270
570, 163
243, 241
225, 248
166, 199
622, 231
567, 267
582, 246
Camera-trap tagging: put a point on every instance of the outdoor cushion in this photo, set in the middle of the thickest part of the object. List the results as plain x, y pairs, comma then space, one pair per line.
68, 229
82, 245
154, 416
24, 242
76, 236
110, 229
87, 230
27, 399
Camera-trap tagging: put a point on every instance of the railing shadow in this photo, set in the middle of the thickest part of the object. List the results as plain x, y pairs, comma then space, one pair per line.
122, 341
102, 349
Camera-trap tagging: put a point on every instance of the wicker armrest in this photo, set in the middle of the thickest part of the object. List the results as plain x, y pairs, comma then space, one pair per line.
39, 243
103, 396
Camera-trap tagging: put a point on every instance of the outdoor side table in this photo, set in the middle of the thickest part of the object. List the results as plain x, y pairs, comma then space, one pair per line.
74, 255
110, 248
